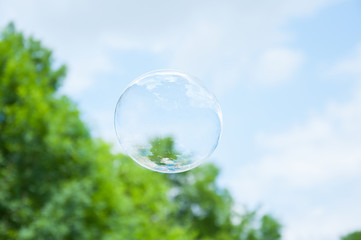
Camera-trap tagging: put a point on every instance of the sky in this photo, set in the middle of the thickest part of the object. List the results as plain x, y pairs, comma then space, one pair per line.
287, 74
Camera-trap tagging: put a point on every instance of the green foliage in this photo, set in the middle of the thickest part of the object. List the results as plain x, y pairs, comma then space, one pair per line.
352, 236
162, 148
268, 227
201, 205
57, 182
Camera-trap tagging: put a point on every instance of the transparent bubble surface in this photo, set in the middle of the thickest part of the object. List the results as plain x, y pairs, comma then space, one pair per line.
167, 122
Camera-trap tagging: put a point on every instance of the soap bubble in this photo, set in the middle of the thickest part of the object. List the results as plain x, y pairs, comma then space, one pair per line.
167, 122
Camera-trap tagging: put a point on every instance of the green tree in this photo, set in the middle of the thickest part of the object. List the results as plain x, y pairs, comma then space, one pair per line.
162, 148
57, 182
270, 228
352, 236
206, 209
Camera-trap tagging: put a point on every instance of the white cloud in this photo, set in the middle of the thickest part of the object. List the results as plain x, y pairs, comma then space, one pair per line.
83, 71
351, 65
322, 150
277, 65
220, 42
320, 158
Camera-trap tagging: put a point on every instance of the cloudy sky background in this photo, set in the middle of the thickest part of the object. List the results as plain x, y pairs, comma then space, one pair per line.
287, 75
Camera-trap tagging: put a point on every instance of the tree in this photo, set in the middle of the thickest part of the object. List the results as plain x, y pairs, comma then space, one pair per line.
58, 182
162, 148
352, 236
206, 209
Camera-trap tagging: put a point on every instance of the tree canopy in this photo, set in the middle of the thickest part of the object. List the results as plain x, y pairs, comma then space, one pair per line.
352, 236
58, 182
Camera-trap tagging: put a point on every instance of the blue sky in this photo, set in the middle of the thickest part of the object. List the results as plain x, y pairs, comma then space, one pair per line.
287, 75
